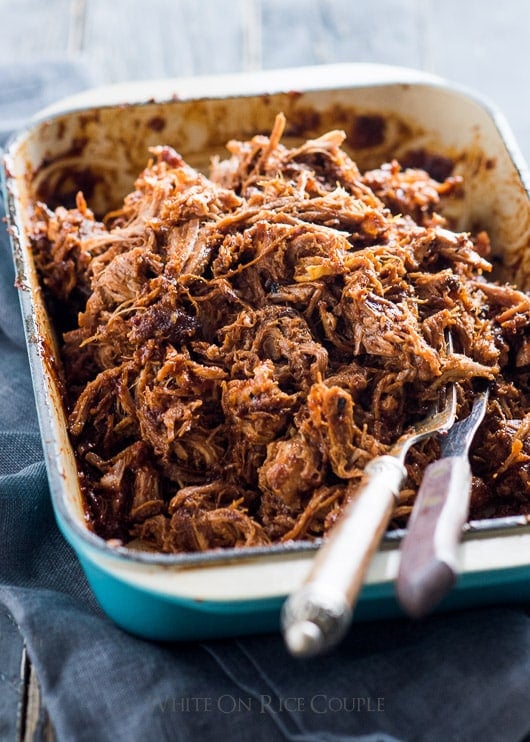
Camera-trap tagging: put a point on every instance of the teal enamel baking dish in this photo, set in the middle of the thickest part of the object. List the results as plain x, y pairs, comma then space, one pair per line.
98, 142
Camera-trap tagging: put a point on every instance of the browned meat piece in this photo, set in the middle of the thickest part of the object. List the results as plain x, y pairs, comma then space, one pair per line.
163, 320
523, 354
292, 469
213, 529
67, 243
279, 335
411, 191
256, 412
239, 346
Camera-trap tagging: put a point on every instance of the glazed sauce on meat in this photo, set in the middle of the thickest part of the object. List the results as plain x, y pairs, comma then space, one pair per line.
237, 347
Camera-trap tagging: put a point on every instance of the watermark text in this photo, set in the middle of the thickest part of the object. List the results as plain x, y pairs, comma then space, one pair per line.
319, 703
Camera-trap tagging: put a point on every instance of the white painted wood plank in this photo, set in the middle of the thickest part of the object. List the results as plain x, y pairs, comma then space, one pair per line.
302, 32
139, 40
33, 29
485, 45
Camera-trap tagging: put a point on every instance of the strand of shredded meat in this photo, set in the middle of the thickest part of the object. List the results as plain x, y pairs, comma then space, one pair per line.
247, 342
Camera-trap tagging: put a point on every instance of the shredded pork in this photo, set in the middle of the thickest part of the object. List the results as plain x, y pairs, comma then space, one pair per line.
239, 346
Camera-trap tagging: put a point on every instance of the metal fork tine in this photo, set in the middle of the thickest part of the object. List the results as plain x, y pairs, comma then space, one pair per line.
449, 341
439, 419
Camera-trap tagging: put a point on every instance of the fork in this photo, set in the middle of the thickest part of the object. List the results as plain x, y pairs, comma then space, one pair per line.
316, 617
428, 564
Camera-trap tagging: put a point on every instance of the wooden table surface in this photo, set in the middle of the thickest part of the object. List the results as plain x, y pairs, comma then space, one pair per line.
481, 44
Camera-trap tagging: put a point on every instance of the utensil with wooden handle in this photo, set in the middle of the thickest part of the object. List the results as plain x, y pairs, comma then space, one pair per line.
428, 564
317, 616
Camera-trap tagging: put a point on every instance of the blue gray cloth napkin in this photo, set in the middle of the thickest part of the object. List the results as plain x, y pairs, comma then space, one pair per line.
455, 677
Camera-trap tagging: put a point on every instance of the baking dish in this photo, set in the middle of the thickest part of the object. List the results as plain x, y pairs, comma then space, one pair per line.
98, 143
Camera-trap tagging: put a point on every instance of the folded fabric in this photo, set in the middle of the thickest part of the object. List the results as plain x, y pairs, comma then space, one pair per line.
452, 677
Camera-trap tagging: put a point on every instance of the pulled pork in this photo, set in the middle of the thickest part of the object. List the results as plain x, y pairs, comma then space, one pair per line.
247, 342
